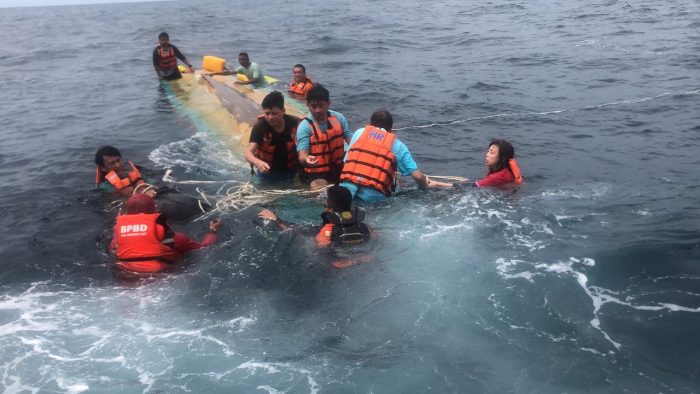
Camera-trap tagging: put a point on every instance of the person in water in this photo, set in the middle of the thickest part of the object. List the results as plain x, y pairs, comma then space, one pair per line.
501, 164
252, 71
165, 57
373, 157
300, 84
320, 140
143, 242
342, 226
272, 149
112, 174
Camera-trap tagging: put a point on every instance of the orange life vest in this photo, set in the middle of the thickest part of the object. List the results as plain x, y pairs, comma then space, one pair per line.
328, 147
370, 161
301, 88
166, 58
142, 244
133, 179
266, 151
515, 170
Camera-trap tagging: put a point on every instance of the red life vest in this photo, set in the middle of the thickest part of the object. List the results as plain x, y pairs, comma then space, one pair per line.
301, 88
142, 245
133, 179
266, 151
370, 161
166, 58
328, 147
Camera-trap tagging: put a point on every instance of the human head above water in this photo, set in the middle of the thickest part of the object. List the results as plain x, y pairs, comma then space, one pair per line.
244, 59
318, 94
106, 150
163, 38
299, 72
140, 203
339, 199
498, 155
382, 118
273, 100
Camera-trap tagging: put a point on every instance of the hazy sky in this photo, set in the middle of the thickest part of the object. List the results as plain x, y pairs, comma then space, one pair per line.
32, 3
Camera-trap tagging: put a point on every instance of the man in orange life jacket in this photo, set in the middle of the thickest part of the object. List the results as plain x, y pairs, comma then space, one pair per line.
300, 85
373, 157
165, 59
342, 226
320, 140
272, 149
113, 173
143, 242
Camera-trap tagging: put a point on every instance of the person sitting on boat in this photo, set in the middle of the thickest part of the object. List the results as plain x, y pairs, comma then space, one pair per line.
301, 84
143, 242
272, 149
374, 155
320, 140
501, 164
342, 225
165, 57
253, 73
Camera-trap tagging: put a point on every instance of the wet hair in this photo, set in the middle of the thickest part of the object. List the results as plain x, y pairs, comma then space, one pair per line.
274, 99
106, 151
382, 118
505, 153
163, 35
300, 66
339, 199
244, 54
318, 93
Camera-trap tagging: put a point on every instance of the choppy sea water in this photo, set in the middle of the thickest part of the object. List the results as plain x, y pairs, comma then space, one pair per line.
585, 279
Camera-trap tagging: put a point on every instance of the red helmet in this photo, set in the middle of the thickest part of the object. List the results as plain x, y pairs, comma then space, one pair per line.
140, 203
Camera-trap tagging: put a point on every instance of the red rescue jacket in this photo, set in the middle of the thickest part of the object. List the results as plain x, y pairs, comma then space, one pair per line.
328, 147
143, 245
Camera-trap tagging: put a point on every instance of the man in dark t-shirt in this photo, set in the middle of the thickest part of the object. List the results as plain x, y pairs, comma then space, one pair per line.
165, 58
272, 146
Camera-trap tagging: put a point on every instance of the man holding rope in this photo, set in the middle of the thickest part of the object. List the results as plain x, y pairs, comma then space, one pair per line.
373, 157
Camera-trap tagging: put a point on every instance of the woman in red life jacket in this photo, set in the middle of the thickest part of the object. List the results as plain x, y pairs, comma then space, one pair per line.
503, 169
144, 243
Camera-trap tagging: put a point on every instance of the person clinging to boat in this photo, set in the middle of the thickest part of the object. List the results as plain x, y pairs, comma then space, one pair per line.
114, 175
252, 72
503, 169
321, 138
272, 148
374, 155
165, 57
143, 242
300, 84
342, 225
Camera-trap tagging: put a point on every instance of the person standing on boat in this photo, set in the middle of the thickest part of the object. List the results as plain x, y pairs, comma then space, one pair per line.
165, 57
272, 149
373, 157
321, 136
301, 84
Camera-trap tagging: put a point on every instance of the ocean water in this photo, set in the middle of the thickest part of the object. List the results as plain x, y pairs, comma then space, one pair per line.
584, 280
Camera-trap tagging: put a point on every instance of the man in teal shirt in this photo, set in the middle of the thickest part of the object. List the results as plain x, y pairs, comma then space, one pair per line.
251, 70
404, 162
